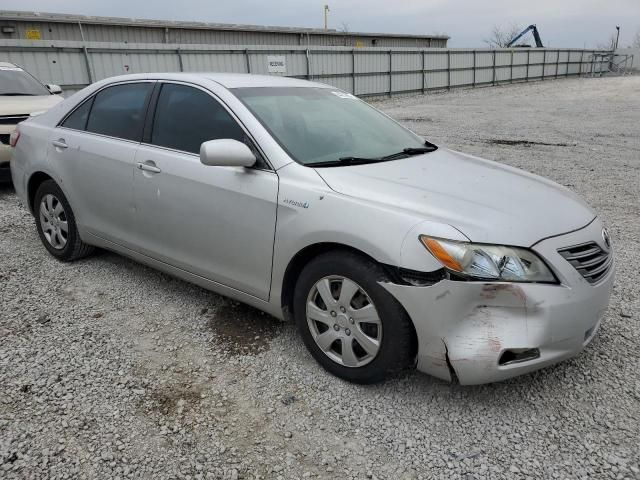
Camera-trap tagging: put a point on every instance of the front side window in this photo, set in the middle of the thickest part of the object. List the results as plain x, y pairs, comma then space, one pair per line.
119, 111
16, 82
318, 125
186, 117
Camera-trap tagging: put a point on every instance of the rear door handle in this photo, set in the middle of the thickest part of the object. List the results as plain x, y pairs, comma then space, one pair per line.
148, 167
60, 143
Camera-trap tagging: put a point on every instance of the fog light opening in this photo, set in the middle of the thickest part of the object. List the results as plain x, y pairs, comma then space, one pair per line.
518, 355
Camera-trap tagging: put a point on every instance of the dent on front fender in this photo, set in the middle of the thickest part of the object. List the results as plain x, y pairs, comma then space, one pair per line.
462, 324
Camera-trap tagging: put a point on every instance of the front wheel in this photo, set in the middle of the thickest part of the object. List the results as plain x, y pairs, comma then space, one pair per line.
351, 325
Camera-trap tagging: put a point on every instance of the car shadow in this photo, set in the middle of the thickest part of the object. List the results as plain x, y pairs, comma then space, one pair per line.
6, 188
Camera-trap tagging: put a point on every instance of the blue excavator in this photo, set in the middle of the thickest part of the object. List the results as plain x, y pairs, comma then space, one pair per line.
536, 37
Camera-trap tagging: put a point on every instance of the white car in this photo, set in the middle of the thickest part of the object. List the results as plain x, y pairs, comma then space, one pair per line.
21, 94
304, 201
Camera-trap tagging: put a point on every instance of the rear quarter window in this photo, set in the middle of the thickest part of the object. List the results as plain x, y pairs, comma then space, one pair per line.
78, 119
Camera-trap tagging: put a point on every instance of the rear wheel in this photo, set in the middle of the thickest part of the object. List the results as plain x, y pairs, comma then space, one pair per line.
56, 224
351, 325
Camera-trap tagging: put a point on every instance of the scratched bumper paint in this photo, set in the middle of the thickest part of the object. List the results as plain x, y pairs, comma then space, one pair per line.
466, 326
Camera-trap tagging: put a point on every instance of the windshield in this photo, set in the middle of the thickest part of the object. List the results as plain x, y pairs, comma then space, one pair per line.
15, 81
317, 125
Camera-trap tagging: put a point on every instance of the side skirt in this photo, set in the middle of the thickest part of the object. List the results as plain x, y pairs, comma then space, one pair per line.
203, 282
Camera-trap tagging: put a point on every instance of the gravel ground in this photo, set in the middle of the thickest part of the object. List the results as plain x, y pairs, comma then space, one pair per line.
109, 369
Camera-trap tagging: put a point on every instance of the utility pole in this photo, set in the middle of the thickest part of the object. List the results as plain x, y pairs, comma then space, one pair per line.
326, 12
617, 36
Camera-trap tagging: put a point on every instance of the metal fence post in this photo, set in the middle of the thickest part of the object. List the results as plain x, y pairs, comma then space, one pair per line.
247, 60
448, 69
424, 85
557, 62
308, 64
511, 68
493, 82
180, 60
390, 72
353, 70
544, 64
86, 54
528, 62
473, 84
581, 59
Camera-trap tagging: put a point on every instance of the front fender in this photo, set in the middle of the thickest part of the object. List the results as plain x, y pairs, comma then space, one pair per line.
310, 213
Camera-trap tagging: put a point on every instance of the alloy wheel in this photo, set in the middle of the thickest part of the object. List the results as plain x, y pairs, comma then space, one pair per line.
53, 221
343, 321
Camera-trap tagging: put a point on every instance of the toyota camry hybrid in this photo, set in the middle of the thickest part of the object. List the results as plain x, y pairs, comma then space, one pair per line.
304, 201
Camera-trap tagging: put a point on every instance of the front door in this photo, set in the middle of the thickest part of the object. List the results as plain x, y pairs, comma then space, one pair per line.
216, 222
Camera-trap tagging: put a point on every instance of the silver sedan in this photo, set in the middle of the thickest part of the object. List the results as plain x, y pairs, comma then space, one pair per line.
388, 251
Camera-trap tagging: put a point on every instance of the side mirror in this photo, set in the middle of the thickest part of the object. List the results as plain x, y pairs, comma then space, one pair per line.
54, 89
226, 153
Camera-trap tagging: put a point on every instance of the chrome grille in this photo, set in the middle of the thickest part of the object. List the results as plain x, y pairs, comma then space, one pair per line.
589, 259
4, 138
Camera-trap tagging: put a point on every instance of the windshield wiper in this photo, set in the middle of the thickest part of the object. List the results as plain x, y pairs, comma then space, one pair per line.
16, 94
345, 161
407, 152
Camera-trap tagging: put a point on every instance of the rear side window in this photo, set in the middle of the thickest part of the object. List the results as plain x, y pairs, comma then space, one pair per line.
119, 111
186, 117
78, 119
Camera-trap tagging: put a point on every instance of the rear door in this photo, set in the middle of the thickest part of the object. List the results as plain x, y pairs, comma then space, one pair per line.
217, 222
93, 150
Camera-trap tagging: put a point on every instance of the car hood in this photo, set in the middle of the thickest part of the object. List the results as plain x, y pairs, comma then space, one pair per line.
487, 201
25, 105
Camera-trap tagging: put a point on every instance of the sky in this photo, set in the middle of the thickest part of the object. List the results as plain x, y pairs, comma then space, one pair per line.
562, 23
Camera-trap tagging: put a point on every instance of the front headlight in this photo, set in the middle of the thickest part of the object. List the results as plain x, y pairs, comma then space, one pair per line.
489, 262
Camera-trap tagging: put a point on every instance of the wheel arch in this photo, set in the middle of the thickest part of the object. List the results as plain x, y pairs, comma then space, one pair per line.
35, 180
299, 261
308, 253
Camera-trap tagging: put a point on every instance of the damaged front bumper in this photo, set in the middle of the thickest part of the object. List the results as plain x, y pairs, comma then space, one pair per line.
477, 331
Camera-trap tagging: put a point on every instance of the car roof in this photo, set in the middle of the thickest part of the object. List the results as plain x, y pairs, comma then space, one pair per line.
240, 80
227, 80
7, 65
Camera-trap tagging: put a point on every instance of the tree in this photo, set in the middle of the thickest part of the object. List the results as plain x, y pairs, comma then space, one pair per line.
636, 40
610, 44
344, 28
501, 36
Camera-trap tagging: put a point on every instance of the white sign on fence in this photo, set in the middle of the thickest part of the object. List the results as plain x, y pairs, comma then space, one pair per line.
276, 64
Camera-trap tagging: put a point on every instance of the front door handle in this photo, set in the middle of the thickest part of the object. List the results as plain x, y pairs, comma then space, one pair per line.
60, 143
148, 166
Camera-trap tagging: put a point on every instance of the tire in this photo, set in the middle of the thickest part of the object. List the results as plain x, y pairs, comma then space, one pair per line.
331, 274
53, 214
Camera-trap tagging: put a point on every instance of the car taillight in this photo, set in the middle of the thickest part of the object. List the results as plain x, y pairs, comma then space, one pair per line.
14, 137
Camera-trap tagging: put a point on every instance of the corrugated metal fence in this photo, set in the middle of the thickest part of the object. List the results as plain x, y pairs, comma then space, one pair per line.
362, 71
